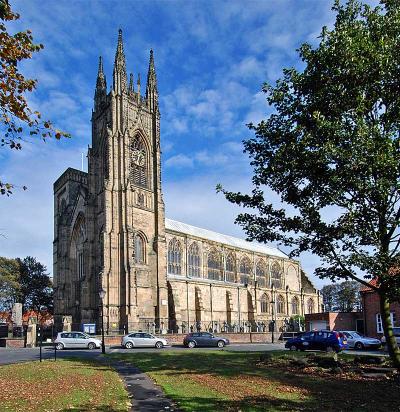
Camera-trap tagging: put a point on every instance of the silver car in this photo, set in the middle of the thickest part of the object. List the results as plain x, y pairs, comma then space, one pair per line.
142, 340
359, 342
73, 340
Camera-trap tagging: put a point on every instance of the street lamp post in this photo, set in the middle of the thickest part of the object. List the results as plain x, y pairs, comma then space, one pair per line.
273, 321
102, 294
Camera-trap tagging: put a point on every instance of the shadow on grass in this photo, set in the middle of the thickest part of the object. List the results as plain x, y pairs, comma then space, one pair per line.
331, 393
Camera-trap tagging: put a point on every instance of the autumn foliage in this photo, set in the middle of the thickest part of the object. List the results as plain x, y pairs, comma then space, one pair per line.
17, 120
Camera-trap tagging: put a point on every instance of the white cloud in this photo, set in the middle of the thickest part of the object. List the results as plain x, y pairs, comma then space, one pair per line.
179, 161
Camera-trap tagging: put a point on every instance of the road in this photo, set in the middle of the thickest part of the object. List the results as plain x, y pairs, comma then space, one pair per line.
8, 355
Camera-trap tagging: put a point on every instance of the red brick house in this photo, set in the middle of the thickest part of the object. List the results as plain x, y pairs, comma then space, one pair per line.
371, 309
334, 321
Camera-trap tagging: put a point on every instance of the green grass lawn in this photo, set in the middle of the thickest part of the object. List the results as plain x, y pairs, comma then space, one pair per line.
206, 381
65, 385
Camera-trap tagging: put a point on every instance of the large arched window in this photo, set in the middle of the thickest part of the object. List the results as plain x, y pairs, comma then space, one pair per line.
194, 260
276, 275
214, 264
261, 274
310, 306
295, 306
245, 271
280, 304
139, 249
264, 304
78, 247
138, 173
230, 275
174, 257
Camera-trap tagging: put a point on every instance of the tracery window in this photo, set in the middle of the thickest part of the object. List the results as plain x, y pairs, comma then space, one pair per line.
174, 257
245, 271
295, 306
310, 306
280, 304
139, 249
214, 264
194, 260
264, 304
230, 275
138, 173
261, 274
276, 275
78, 247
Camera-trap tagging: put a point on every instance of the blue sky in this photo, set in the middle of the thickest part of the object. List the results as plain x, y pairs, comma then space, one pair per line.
211, 57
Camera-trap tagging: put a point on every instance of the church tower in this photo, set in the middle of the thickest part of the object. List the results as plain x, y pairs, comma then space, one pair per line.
125, 199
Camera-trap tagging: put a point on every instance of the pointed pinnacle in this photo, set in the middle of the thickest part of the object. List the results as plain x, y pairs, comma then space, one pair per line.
151, 75
119, 54
101, 80
100, 71
130, 83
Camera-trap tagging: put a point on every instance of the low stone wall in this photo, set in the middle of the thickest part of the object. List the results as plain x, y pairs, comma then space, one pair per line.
11, 343
177, 339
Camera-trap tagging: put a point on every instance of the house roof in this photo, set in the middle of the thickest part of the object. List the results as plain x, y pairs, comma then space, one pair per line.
221, 238
372, 282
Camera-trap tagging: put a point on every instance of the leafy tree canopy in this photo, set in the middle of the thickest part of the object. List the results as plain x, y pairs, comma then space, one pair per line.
331, 151
25, 281
342, 297
35, 285
17, 120
9, 286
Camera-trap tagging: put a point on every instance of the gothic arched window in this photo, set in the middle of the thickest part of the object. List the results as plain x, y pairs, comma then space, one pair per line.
214, 264
138, 173
276, 275
194, 260
174, 257
295, 306
230, 275
139, 249
245, 271
310, 306
261, 274
264, 304
280, 304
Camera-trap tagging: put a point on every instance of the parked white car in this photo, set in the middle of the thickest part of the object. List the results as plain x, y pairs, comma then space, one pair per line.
396, 332
71, 340
142, 340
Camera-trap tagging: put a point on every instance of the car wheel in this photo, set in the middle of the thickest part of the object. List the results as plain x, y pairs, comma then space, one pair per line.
221, 344
128, 345
293, 347
330, 349
191, 344
159, 345
359, 346
91, 346
59, 346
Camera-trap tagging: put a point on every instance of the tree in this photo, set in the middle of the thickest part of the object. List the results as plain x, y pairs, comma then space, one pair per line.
35, 285
9, 286
329, 296
342, 297
17, 120
331, 152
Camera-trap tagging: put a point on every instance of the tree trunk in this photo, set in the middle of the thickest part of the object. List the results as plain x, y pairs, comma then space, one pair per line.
394, 351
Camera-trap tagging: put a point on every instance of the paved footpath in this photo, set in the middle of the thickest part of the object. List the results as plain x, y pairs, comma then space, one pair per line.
145, 396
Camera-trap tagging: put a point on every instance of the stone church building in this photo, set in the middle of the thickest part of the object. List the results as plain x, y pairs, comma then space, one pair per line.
110, 233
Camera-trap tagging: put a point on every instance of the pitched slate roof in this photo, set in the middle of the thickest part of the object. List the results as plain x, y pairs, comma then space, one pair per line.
220, 238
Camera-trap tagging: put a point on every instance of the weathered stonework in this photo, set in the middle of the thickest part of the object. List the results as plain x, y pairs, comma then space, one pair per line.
110, 232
